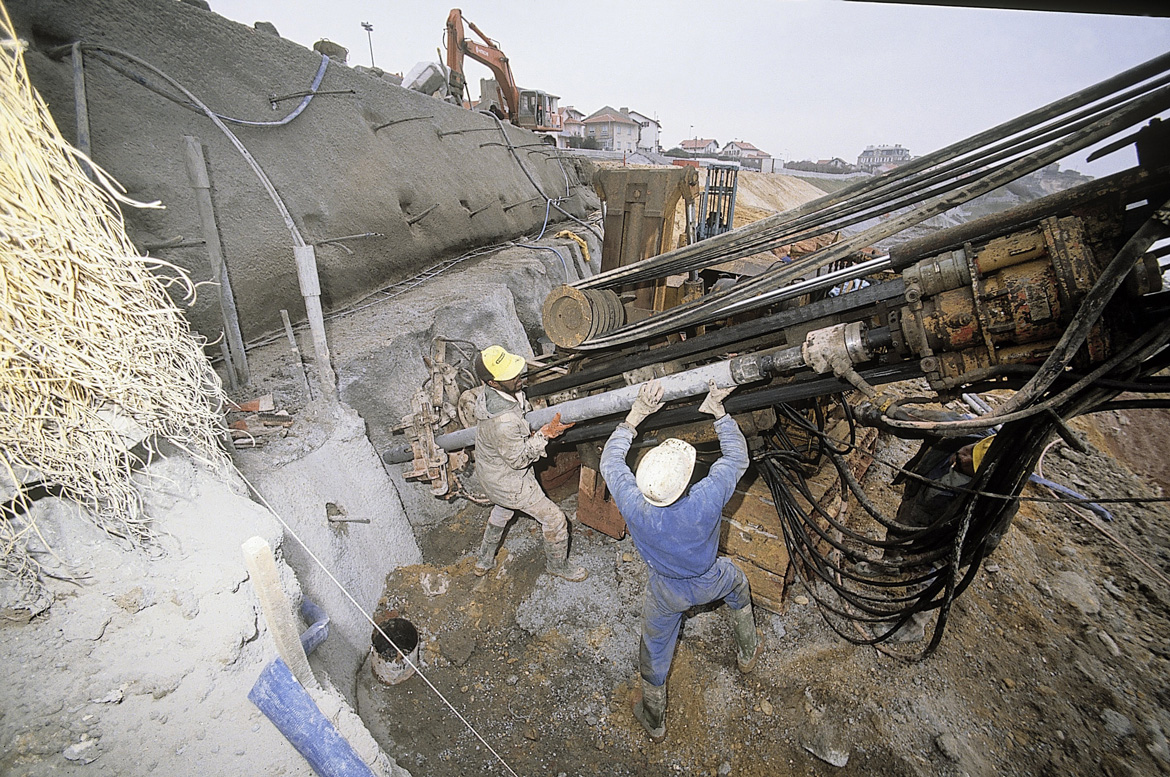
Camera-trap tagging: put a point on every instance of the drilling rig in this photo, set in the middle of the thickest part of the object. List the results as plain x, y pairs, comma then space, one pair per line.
1055, 307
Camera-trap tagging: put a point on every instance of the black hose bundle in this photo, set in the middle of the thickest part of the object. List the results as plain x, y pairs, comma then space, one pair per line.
884, 575
877, 573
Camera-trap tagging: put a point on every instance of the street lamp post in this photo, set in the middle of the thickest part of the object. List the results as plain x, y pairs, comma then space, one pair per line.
369, 28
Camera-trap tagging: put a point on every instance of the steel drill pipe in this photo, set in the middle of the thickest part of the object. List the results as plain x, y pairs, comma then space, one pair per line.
699, 311
717, 248
844, 305
733, 372
807, 386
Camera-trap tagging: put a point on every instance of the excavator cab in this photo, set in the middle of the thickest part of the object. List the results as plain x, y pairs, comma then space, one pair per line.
531, 109
538, 111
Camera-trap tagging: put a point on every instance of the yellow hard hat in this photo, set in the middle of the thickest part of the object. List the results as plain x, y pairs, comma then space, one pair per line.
664, 473
979, 450
501, 364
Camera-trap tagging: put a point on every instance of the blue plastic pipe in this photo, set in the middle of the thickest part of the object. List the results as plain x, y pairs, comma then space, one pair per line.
315, 634
1098, 509
294, 713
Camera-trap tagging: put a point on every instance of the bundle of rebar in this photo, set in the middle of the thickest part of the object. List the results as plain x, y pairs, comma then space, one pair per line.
97, 364
916, 191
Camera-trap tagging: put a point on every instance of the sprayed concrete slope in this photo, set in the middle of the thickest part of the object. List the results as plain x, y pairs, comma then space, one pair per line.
339, 168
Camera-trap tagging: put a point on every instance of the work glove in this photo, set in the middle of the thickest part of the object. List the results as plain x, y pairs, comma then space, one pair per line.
649, 401
713, 404
554, 428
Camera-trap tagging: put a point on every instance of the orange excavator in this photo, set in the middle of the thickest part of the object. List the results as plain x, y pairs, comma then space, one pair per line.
528, 108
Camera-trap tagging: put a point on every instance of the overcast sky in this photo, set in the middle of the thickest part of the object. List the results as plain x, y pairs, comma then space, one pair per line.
801, 79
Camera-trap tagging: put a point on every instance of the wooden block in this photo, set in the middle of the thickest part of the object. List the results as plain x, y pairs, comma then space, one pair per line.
558, 470
767, 588
278, 613
763, 548
757, 510
594, 507
240, 432
276, 419
260, 404
752, 536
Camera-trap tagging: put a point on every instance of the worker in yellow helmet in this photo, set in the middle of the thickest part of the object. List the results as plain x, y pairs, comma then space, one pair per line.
978, 451
923, 503
505, 451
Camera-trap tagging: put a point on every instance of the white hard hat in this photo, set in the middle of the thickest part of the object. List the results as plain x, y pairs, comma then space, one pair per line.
665, 472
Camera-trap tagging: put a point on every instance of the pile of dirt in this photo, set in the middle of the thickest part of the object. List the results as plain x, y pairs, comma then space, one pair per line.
772, 193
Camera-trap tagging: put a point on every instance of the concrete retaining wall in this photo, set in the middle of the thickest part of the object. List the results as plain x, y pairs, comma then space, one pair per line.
339, 169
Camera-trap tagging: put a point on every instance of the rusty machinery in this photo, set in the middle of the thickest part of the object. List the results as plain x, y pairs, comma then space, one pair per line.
717, 205
436, 407
1058, 301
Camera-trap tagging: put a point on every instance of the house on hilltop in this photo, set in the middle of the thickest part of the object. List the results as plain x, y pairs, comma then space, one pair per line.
874, 157
834, 165
648, 138
700, 146
746, 154
613, 130
572, 125
743, 149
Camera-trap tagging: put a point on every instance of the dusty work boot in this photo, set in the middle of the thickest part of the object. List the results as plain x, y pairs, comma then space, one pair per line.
485, 560
747, 639
556, 556
650, 710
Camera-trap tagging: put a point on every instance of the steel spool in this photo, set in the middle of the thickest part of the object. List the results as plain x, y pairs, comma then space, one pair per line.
571, 316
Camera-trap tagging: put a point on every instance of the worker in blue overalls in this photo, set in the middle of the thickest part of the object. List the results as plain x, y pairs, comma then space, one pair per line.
676, 530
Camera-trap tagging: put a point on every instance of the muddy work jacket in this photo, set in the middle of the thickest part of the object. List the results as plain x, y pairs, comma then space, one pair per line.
505, 449
680, 540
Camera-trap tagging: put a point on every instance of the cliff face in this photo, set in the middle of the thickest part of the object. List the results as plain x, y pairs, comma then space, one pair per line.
365, 156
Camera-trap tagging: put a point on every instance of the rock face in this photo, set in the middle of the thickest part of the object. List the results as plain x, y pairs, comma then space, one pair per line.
336, 497
428, 178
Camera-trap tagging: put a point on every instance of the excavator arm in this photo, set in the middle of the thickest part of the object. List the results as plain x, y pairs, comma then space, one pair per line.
487, 53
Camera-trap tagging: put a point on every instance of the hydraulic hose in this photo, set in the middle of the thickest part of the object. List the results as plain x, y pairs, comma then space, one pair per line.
700, 311
671, 261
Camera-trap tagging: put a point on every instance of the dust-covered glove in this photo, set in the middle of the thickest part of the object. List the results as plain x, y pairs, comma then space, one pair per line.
649, 401
554, 428
713, 404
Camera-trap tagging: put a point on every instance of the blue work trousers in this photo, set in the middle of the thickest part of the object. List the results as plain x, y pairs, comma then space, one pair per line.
668, 598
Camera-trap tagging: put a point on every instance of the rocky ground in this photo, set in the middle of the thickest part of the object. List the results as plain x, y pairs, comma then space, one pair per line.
1055, 661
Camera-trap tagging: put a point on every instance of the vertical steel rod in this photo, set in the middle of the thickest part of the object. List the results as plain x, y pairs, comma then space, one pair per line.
197, 171
81, 107
296, 351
